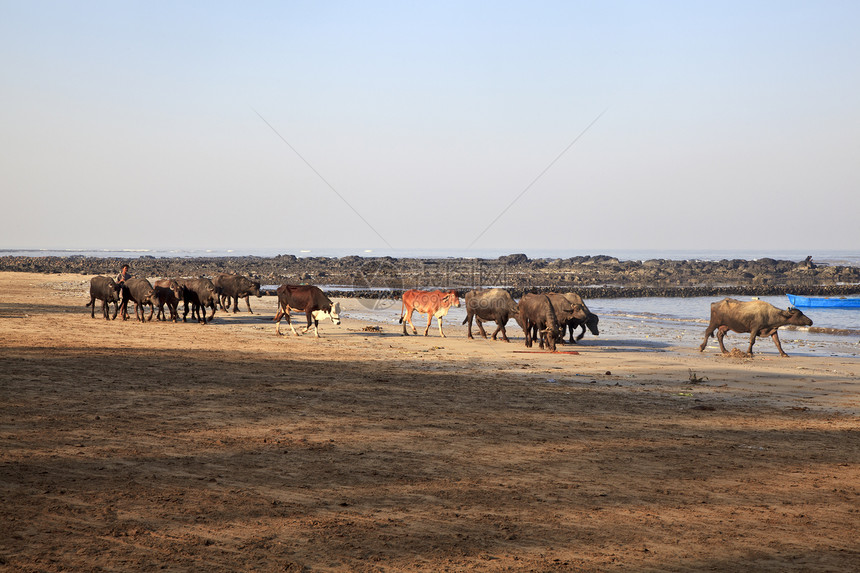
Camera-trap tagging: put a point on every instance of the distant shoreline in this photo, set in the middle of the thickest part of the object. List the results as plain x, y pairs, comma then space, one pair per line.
381, 277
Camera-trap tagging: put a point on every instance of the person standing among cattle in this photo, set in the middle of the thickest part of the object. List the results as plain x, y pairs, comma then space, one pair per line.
123, 275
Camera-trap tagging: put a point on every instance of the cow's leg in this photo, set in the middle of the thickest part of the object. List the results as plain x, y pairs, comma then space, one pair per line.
235, 304
185, 314
278, 316
409, 320
709, 332
721, 333
775, 337
469, 321
316, 328
104, 309
439, 322
527, 329
581, 334
502, 326
497, 331
429, 319
151, 310
753, 335
93, 304
115, 309
481, 327
248, 302
311, 320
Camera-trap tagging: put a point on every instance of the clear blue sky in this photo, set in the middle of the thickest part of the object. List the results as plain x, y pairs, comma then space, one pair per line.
138, 125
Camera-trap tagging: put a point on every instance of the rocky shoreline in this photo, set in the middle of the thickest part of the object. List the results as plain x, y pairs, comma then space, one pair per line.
381, 277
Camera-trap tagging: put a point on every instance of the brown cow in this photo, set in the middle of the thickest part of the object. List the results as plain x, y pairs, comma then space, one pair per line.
757, 317
433, 303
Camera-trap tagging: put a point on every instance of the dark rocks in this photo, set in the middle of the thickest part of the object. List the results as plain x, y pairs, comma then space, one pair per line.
600, 276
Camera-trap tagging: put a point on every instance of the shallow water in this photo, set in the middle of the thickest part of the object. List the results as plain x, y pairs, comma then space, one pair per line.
664, 322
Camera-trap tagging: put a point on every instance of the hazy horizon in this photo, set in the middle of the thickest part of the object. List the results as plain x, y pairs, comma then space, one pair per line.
495, 126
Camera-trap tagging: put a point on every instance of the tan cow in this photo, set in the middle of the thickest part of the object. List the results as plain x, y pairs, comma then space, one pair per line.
433, 303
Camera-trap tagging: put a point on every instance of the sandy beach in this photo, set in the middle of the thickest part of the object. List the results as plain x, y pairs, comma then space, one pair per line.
222, 447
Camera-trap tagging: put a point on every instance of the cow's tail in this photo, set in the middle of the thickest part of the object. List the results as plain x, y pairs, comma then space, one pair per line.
465, 320
90, 303
402, 311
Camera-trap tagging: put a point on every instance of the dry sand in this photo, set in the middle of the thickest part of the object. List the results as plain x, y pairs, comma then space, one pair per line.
183, 447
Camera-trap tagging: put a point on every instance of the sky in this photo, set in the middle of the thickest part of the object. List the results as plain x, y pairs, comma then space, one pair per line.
443, 125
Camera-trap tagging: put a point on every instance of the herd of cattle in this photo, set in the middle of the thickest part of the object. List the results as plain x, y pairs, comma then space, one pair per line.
543, 317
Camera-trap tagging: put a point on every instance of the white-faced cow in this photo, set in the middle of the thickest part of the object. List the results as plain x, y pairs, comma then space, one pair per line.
538, 320
108, 291
757, 317
308, 299
141, 292
233, 287
494, 304
432, 303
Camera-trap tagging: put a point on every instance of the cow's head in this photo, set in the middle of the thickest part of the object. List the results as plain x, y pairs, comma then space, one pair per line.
333, 313
797, 318
451, 298
579, 312
549, 334
591, 323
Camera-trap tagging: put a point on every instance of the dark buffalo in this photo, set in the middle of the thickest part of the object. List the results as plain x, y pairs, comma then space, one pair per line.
108, 291
167, 296
757, 317
590, 321
308, 299
536, 312
235, 287
198, 293
494, 304
142, 293
568, 310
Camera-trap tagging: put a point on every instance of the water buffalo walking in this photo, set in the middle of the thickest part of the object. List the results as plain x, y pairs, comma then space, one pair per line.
199, 293
108, 291
308, 299
536, 312
142, 293
433, 303
234, 287
757, 317
485, 305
